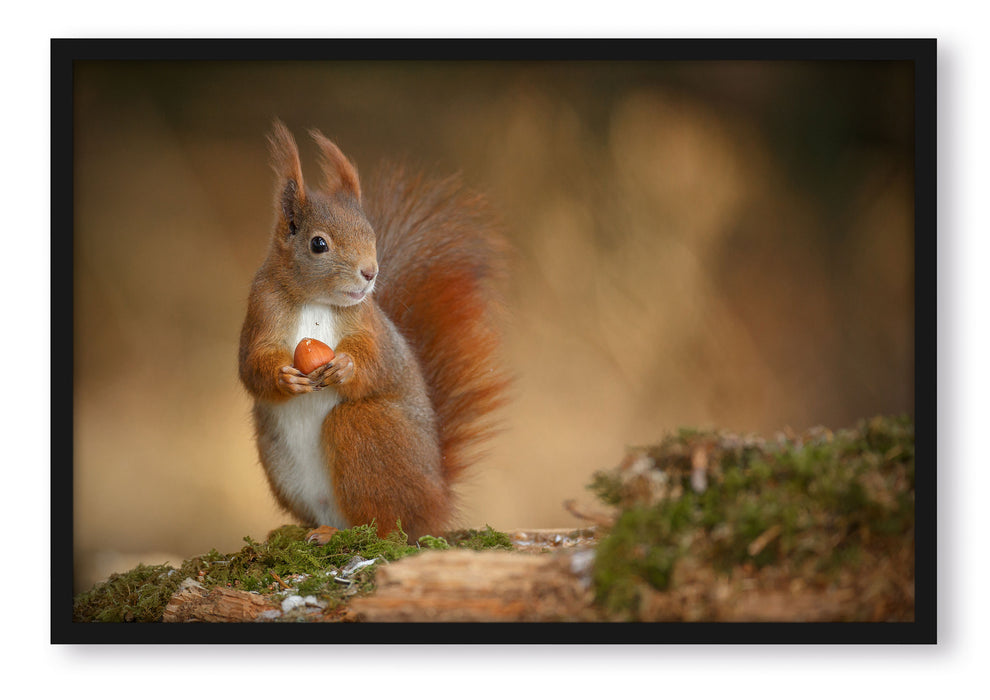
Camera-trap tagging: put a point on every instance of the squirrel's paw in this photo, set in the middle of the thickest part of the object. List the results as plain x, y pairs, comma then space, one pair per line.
339, 371
321, 535
292, 381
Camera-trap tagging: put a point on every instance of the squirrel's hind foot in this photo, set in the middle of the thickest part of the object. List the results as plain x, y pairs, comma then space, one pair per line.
321, 534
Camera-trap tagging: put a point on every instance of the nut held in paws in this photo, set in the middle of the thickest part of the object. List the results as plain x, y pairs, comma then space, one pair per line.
310, 354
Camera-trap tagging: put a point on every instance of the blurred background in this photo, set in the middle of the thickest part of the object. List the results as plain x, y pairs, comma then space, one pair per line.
705, 244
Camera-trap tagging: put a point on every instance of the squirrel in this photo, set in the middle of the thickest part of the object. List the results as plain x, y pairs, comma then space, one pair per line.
402, 282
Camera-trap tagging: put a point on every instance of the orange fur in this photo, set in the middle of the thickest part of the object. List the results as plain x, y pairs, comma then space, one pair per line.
285, 156
442, 258
339, 172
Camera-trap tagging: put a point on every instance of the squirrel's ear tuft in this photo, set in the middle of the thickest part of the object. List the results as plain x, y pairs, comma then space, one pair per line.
285, 162
340, 173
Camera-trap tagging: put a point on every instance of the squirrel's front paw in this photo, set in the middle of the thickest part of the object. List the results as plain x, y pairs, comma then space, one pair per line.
339, 371
292, 381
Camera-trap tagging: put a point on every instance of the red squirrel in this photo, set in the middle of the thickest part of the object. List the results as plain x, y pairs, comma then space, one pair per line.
401, 281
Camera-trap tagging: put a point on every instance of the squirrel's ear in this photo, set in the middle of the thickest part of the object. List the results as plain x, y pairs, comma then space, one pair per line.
285, 163
340, 173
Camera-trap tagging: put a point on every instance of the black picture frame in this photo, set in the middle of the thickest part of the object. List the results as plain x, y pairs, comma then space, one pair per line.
921, 52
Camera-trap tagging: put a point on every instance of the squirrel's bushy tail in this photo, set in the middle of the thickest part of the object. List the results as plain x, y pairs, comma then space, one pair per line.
441, 258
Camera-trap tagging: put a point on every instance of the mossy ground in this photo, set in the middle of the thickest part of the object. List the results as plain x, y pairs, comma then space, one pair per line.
285, 563
812, 526
816, 510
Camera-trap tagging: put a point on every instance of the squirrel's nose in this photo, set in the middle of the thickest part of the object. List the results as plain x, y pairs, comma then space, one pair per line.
369, 272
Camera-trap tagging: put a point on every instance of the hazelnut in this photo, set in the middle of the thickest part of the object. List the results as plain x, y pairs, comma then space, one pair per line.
310, 354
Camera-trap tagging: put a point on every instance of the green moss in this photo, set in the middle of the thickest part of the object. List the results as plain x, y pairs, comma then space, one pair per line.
430, 542
642, 547
822, 496
488, 538
607, 486
140, 595
285, 558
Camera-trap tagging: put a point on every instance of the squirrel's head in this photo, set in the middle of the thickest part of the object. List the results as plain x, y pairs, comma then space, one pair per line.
324, 245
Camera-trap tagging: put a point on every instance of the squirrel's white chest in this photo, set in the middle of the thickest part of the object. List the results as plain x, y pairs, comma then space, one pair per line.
300, 462
316, 321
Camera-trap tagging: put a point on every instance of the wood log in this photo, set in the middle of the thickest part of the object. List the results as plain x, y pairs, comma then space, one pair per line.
445, 585
486, 586
194, 603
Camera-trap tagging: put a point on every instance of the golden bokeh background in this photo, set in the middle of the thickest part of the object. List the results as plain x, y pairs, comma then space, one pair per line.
710, 244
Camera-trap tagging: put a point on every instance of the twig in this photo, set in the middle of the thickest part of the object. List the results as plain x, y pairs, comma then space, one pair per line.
571, 507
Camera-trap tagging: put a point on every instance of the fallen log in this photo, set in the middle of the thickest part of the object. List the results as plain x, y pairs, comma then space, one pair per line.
467, 586
195, 603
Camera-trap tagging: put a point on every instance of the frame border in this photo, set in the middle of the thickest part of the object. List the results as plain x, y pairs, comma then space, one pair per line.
922, 52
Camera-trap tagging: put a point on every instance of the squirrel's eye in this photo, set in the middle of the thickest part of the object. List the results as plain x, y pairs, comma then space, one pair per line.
318, 245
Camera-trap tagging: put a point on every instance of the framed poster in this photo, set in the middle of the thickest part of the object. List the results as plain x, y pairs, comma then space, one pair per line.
721, 285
